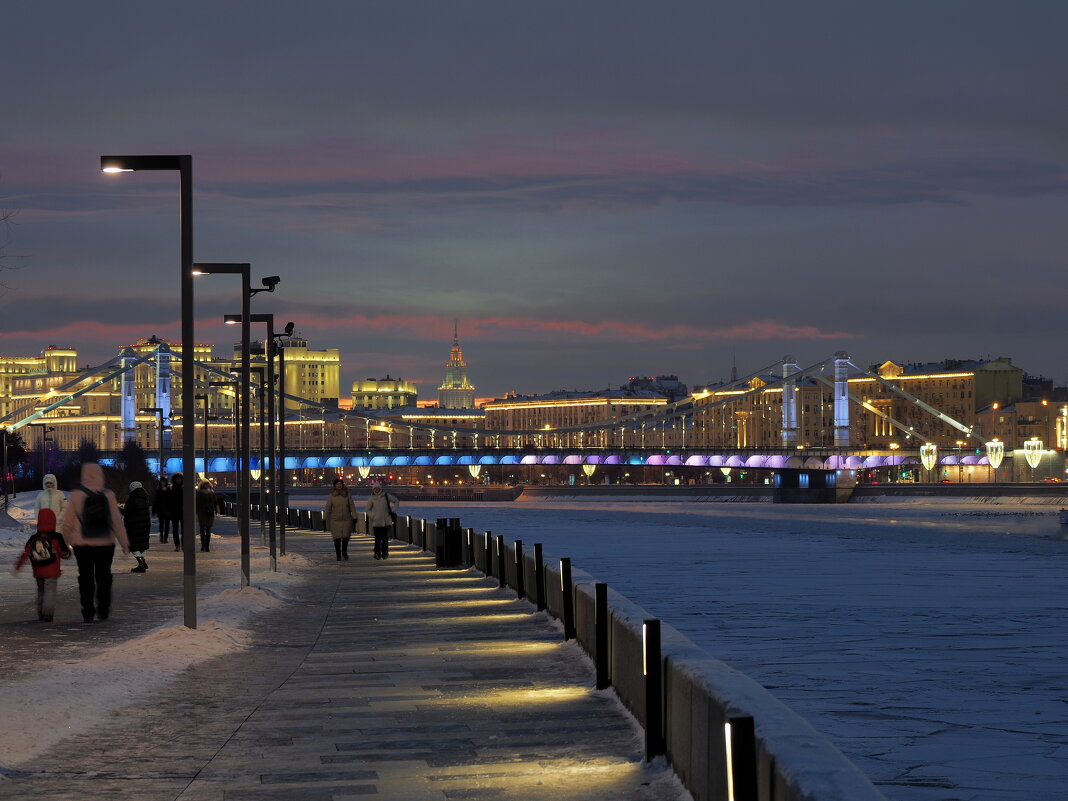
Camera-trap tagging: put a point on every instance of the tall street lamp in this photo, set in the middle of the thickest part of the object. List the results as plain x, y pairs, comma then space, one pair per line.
283, 499
234, 319
259, 370
207, 417
184, 166
158, 411
243, 457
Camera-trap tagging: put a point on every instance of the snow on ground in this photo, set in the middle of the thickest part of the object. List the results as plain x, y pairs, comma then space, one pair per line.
71, 695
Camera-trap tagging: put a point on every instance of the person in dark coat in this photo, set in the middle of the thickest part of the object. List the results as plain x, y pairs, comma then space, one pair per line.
162, 508
207, 506
175, 507
137, 517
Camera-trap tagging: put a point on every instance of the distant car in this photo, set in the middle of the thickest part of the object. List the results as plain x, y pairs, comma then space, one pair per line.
1053, 479
946, 481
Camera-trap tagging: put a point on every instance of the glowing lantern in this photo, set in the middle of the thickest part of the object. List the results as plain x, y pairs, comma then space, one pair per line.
1033, 452
474, 470
726, 471
995, 452
363, 471
588, 469
929, 455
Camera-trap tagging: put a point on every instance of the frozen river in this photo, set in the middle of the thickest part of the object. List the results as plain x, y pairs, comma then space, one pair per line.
928, 642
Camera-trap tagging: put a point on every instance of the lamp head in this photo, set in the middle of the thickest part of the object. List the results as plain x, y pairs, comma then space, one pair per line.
289, 329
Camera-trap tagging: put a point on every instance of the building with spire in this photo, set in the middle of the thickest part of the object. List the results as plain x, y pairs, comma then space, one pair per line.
456, 392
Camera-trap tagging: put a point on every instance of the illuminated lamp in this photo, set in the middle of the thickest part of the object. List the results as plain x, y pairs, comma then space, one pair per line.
474, 470
589, 469
1033, 450
363, 471
995, 452
726, 471
929, 455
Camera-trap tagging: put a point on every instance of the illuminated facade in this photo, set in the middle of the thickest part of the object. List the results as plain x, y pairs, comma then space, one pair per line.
383, 393
562, 409
456, 392
314, 375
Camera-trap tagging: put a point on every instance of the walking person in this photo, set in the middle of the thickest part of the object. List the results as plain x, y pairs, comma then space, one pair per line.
381, 516
176, 509
340, 513
50, 498
137, 517
92, 525
207, 506
43, 551
161, 506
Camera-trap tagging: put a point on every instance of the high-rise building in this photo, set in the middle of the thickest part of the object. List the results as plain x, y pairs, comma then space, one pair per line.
456, 392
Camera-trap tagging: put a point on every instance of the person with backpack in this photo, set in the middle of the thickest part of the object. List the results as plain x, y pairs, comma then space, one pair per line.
137, 517
50, 498
381, 517
92, 525
44, 550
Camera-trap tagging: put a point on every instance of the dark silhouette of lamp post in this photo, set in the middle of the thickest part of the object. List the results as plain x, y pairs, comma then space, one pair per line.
283, 495
159, 412
259, 370
234, 319
243, 461
45, 439
184, 167
207, 418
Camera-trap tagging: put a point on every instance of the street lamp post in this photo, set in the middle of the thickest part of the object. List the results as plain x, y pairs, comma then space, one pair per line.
184, 166
234, 319
159, 412
45, 439
207, 417
259, 370
244, 270
283, 499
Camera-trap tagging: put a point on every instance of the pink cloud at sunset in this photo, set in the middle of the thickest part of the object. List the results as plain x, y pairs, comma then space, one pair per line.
440, 328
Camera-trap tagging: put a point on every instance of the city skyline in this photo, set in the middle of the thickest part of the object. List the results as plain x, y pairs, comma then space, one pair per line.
596, 190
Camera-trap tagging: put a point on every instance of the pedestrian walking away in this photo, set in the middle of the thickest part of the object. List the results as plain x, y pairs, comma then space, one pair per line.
50, 498
137, 517
176, 509
161, 506
381, 517
92, 525
44, 550
207, 506
340, 513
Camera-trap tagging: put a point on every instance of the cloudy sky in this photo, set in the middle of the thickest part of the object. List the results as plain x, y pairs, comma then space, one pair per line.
596, 189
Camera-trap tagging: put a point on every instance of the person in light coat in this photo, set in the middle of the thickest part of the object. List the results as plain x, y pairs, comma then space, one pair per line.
379, 519
340, 512
93, 554
51, 498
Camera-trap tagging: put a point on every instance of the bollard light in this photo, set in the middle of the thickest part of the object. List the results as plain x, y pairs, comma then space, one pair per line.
600, 591
568, 598
539, 576
739, 742
500, 561
654, 690
519, 588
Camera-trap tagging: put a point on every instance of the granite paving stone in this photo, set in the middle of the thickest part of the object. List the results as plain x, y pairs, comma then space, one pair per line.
388, 679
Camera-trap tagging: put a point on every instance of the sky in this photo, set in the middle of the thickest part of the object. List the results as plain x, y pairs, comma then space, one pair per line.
596, 190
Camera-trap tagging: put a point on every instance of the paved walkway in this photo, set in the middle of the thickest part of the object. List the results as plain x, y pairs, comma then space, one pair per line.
388, 679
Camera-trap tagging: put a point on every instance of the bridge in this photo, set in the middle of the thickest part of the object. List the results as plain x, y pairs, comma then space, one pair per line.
676, 434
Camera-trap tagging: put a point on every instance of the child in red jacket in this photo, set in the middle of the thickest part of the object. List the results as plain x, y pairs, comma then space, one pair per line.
43, 551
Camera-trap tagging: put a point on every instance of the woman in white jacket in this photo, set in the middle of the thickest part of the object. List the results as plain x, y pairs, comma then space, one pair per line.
51, 498
381, 507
